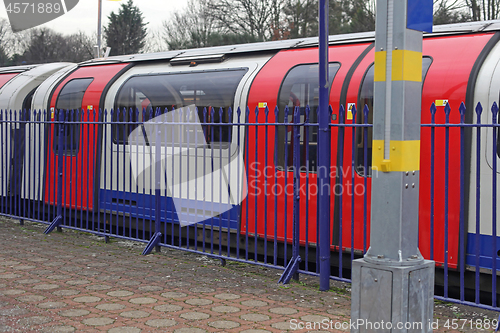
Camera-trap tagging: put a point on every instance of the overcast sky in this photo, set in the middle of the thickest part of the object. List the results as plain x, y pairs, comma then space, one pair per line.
84, 16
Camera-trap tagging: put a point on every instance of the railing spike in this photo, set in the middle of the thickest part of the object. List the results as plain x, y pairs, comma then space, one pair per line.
341, 114
479, 109
433, 109
447, 109
205, 114
462, 109
366, 111
494, 110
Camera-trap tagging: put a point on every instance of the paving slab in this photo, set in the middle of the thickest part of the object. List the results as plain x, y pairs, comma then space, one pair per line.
72, 281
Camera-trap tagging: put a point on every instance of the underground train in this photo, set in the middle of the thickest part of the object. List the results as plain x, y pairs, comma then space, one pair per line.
460, 64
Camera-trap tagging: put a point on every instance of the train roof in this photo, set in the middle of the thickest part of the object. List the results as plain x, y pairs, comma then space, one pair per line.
16, 69
220, 52
25, 68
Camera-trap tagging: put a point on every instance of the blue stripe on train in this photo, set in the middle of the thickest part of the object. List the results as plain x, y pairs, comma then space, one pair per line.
485, 250
140, 205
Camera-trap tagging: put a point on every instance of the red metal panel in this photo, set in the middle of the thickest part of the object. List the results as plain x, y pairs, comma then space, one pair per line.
79, 169
359, 188
4, 78
265, 88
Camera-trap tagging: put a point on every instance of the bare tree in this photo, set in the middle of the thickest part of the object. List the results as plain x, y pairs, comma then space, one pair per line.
5, 41
197, 27
490, 9
80, 47
155, 41
301, 18
450, 11
474, 9
360, 16
257, 18
480, 10
189, 28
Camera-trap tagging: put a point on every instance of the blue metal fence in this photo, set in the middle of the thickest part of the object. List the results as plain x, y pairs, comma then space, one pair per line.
474, 280
206, 181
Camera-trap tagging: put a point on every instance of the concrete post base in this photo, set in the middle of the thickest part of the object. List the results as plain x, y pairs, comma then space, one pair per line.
392, 298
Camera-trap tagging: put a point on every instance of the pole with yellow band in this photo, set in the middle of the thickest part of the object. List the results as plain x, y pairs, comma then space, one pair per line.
394, 63
396, 134
393, 260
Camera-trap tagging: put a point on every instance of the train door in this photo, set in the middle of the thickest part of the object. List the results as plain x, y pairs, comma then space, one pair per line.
18, 143
80, 93
356, 205
300, 89
353, 208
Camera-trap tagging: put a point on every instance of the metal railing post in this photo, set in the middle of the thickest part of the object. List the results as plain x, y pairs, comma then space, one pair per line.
155, 239
21, 166
60, 148
293, 265
324, 160
158, 175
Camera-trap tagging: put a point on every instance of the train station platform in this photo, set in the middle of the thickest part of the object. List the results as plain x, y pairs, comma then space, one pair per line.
75, 282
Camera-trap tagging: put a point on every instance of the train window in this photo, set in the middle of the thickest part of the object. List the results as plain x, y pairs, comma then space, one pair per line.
71, 98
300, 88
28, 99
365, 97
212, 92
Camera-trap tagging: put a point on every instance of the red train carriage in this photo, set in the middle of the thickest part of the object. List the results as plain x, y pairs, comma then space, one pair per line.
445, 79
459, 65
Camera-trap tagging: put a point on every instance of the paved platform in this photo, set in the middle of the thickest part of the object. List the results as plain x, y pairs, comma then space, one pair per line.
75, 282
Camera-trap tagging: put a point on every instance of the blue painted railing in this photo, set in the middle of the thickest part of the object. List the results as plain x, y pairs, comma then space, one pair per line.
83, 186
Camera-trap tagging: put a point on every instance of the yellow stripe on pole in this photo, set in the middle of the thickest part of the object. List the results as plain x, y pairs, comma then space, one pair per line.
380, 66
406, 65
405, 156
